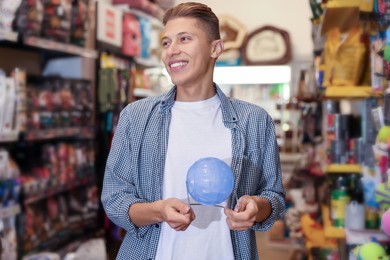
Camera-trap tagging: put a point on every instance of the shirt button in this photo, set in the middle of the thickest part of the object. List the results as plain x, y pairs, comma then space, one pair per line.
157, 225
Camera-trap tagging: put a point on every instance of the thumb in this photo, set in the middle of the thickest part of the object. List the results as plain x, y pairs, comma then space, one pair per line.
241, 204
184, 209
237, 208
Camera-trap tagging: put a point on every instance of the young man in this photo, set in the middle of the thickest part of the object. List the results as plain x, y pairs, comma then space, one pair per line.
159, 138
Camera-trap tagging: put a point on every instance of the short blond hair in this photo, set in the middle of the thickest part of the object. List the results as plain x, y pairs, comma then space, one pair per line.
199, 11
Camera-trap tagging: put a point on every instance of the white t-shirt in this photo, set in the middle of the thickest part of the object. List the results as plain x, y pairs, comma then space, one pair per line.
196, 131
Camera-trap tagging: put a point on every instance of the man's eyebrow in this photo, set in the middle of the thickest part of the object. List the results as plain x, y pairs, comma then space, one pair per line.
177, 35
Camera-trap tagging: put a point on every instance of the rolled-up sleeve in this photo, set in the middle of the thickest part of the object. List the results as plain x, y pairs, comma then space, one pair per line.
119, 189
271, 185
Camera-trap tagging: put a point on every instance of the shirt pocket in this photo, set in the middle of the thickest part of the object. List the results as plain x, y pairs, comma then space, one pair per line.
252, 170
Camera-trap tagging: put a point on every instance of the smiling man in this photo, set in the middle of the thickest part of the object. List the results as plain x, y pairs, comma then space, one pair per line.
159, 138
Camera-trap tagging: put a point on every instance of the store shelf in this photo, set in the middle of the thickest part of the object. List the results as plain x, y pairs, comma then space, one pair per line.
331, 231
342, 3
344, 168
290, 157
363, 5
9, 137
8, 36
284, 244
55, 190
60, 47
9, 211
360, 236
350, 92
142, 92
150, 62
46, 134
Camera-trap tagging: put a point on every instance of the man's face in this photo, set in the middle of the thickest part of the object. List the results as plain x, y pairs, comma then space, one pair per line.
187, 52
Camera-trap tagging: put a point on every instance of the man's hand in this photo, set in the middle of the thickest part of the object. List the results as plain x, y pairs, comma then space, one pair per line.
249, 209
176, 213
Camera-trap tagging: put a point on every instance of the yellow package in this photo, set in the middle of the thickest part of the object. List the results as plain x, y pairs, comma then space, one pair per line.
345, 57
364, 5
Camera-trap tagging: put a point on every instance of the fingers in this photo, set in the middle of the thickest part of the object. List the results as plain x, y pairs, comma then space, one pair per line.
237, 208
243, 216
178, 214
184, 209
238, 220
180, 222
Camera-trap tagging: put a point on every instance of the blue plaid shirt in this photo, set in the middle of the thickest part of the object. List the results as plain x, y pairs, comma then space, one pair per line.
135, 167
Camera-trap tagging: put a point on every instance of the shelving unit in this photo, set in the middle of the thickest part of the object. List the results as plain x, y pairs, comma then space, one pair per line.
120, 81
141, 93
10, 211
362, 5
56, 190
338, 92
80, 132
9, 137
343, 168
8, 35
38, 189
333, 170
59, 47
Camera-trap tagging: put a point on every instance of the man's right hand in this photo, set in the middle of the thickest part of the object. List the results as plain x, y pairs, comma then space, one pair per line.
176, 213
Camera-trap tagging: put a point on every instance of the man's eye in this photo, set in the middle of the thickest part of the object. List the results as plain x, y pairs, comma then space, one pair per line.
185, 38
164, 44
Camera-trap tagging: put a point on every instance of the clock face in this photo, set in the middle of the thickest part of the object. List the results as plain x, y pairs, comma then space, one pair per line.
266, 46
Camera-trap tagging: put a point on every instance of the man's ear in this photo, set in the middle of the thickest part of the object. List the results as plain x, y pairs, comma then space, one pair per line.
217, 48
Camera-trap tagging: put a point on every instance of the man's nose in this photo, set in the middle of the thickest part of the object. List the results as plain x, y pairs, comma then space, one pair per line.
173, 48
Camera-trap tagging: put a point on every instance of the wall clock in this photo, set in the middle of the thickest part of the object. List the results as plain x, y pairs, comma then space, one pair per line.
267, 45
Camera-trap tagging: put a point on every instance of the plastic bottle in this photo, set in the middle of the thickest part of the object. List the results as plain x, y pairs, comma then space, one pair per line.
339, 201
355, 211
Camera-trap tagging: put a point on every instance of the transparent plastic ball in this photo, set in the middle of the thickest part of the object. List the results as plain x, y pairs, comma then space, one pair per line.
210, 181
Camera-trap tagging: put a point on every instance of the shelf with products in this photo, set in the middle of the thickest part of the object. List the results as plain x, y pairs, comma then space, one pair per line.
141, 92
330, 230
356, 234
9, 136
58, 184
7, 35
338, 92
50, 111
45, 190
352, 86
128, 69
51, 45
342, 3
343, 168
9, 211
47, 134
66, 220
47, 45
50, 93
349, 206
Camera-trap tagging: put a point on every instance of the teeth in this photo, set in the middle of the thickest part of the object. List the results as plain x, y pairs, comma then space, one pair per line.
177, 64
